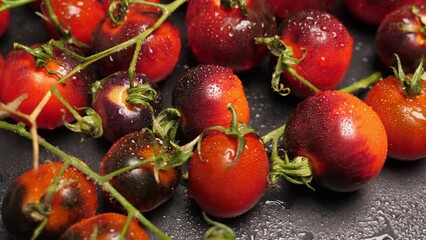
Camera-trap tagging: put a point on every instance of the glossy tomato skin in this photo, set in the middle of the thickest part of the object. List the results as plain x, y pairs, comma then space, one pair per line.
343, 138
284, 8
409, 44
107, 225
202, 95
21, 76
73, 202
328, 46
118, 116
222, 187
4, 21
139, 186
373, 11
217, 35
79, 17
160, 51
404, 118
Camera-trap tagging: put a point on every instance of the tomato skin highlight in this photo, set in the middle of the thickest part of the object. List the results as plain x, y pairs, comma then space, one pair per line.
404, 118
329, 49
410, 45
221, 187
20, 75
139, 186
343, 138
109, 226
202, 95
70, 204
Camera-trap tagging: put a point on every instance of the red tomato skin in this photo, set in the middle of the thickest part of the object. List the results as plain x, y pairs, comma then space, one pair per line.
21, 76
404, 118
284, 8
224, 190
160, 51
79, 17
391, 39
109, 226
343, 138
373, 11
329, 48
4, 21
220, 36
72, 203
202, 95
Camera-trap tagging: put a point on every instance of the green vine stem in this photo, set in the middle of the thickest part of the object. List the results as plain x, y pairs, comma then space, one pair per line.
82, 167
363, 83
218, 231
8, 4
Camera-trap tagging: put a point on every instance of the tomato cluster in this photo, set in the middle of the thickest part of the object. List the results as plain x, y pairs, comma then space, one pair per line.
105, 71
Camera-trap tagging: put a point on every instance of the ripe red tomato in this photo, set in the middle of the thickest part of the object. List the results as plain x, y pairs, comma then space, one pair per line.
160, 51
4, 21
404, 118
78, 17
21, 76
222, 186
139, 185
118, 116
402, 32
202, 95
74, 201
328, 47
106, 226
342, 137
222, 36
373, 11
284, 8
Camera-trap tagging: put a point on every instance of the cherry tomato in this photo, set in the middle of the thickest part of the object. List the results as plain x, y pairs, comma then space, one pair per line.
106, 226
160, 51
404, 118
284, 8
222, 186
139, 185
4, 21
118, 116
402, 32
328, 47
343, 138
202, 95
20, 75
22, 208
77, 17
373, 11
222, 36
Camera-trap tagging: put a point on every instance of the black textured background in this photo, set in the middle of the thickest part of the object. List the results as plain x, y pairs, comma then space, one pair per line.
392, 207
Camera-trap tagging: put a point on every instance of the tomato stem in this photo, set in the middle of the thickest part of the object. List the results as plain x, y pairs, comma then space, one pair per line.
218, 230
363, 83
8, 4
410, 85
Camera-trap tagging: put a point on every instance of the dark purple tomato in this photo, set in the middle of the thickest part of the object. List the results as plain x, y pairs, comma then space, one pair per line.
139, 185
118, 116
342, 137
402, 32
284, 8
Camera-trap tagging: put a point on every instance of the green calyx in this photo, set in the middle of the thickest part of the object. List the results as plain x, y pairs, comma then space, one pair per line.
89, 124
236, 130
231, 4
285, 63
117, 12
410, 85
218, 231
422, 29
